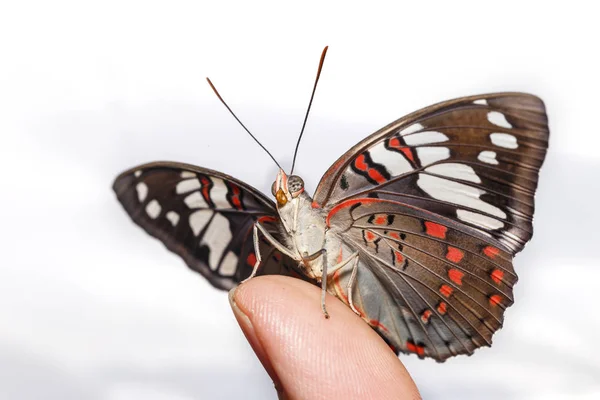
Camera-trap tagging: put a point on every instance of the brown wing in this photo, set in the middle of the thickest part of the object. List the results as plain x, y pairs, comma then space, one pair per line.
205, 217
474, 160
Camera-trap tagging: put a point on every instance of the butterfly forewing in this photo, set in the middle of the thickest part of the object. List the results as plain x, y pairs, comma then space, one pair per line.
204, 216
474, 160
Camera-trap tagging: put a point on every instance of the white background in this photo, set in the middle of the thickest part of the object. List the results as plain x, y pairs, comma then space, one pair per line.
93, 308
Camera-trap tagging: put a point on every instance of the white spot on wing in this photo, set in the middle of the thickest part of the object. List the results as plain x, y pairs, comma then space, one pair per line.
217, 238
153, 209
199, 219
142, 191
395, 163
429, 155
187, 186
195, 200
137, 173
488, 157
455, 170
504, 140
229, 264
218, 193
480, 220
173, 217
411, 129
427, 137
498, 119
187, 174
482, 102
457, 193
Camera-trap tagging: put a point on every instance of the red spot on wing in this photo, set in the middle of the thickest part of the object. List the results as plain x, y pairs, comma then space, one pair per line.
455, 255
394, 143
314, 204
380, 220
267, 218
455, 276
395, 235
442, 308
251, 259
446, 290
435, 230
399, 257
361, 165
425, 316
235, 197
340, 256
491, 252
206, 183
495, 300
370, 236
376, 324
497, 275
415, 348
349, 203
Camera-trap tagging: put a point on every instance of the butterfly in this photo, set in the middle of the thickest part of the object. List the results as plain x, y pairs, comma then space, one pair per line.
414, 228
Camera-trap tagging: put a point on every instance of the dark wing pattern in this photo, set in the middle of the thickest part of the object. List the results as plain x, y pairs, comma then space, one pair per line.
437, 204
205, 217
474, 160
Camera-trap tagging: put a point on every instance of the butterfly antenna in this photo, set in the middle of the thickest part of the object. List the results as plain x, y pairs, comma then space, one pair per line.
309, 104
243, 126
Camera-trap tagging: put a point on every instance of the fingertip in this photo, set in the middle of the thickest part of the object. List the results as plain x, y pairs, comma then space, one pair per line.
311, 355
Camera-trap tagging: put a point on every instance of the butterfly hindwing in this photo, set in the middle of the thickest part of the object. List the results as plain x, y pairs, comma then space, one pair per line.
474, 160
204, 216
440, 288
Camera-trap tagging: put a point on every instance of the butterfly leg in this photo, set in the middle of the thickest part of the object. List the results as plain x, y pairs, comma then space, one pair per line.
350, 286
354, 259
258, 227
312, 257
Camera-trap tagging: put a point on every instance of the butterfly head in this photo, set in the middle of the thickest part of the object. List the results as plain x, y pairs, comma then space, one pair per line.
287, 188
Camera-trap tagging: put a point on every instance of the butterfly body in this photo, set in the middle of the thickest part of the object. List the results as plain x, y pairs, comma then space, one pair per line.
415, 227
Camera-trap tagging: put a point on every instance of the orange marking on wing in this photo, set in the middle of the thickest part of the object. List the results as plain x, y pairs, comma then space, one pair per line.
267, 218
376, 324
251, 259
415, 348
408, 153
395, 235
380, 220
435, 230
497, 275
425, 316
399, 257
372, 172
349, 203
495, 300
340, 257
455, 255
205, 188
370, 236
314, 204
491, 252
442, 308
455, 276
235, 198
336, 282
446, 290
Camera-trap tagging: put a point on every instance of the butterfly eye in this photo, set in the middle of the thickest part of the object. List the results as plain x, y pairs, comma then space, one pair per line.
295, 185
273, 189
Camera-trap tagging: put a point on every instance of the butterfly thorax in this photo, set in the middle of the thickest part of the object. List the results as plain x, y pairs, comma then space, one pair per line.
304, 231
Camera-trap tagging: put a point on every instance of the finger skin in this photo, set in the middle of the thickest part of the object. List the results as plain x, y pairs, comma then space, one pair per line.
310, 357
